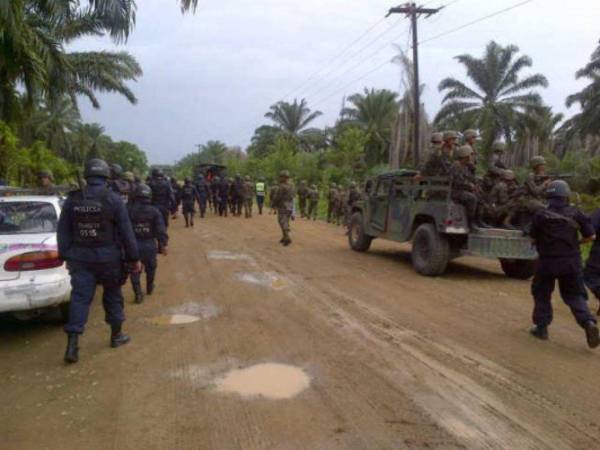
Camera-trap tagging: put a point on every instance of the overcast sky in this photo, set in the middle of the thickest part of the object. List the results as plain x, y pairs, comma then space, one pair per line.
214, 74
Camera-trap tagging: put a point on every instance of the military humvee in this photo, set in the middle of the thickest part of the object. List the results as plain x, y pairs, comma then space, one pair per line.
397, 207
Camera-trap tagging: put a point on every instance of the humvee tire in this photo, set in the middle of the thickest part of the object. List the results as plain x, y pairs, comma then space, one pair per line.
520, 269
430, 251
357, 238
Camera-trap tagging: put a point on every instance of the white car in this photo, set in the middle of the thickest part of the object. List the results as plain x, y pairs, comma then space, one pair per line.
32, 278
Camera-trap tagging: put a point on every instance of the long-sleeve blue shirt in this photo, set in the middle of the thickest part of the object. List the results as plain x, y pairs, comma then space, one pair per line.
124, 246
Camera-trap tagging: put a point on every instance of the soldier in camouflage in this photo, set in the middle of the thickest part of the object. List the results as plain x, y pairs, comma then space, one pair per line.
302, 196
332, 196
313, 202
536, 184
471, 140
284, 203
248, 197
272, 195
464, 185
498, 150
439, 162
504, 198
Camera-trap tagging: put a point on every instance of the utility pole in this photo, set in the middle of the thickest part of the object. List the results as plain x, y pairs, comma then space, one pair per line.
414, 11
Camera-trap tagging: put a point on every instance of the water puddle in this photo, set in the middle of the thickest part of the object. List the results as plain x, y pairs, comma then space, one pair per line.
270, 380
267, 279
228, 256
202, 310
173, 319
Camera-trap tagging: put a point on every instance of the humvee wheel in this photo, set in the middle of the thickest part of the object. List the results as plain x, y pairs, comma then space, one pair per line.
357, 238
520, 269
430, 251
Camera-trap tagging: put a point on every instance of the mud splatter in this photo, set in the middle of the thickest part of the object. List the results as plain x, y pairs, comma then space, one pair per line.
268, 280
270, 380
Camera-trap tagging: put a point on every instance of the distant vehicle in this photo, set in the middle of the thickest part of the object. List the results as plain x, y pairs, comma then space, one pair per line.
397, 207
32, 278
210, 171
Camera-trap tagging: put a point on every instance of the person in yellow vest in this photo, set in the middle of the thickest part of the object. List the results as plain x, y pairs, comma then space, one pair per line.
260, 194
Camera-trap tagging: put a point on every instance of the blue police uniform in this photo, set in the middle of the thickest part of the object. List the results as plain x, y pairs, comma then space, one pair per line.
94, 236
162, 196
149, 228
203, 195
189, 197
223, 193
554, 231
591, 274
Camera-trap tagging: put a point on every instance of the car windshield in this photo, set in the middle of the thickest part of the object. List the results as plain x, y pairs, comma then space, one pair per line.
27, 217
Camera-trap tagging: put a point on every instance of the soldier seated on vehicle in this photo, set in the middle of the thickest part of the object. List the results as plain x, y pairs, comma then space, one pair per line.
536, 184
504, 198
439, 162
464, 186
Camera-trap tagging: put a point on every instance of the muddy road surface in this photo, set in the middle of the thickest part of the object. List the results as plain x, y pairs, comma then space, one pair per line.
249, 345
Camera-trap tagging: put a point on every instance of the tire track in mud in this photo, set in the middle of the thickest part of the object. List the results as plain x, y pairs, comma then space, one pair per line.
471, 412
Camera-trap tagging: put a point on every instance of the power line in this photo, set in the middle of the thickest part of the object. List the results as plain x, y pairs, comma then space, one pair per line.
338, 55
481, 19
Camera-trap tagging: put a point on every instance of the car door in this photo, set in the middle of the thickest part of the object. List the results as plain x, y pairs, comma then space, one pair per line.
379, 203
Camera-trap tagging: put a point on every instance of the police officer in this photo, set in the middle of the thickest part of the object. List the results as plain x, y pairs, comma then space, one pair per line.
129, 177
162, 194
203, 194
237, 195
223, 196
214, 193
260, 194
284, 203
94, 234
554, 232
176, 195
151, 235
189, 196
591, 274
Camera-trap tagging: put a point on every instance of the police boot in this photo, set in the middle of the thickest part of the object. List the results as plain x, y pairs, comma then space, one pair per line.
139, 295
117, 337
149, 286
539, 332
72, 353
591, 334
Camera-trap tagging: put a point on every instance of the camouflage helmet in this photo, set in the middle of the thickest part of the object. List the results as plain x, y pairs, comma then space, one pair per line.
143, 191
450, 135
508, 175
437, 138
45, 174
463, 152
247, 178
284, 174
558, 189
128, 176
470, 133
498, 147
537, 161
96, 168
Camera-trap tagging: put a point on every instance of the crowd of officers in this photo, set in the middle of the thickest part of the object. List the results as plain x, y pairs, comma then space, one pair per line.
497, 198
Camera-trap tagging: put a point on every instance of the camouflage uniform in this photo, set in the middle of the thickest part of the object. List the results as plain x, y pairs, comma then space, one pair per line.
302, 196
471, 140
353, 197
272, 195
284, 202
332, 196
464, 184
313, 202
248, 197
535, 187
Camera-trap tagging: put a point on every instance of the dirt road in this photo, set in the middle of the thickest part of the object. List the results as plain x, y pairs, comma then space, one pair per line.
395, 360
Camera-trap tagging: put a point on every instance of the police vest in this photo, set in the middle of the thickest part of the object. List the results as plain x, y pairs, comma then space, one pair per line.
92, 220
160, 193
260, 188
142, 220
558, 233
187, 193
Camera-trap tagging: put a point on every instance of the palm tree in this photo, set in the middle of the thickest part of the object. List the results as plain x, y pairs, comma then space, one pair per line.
499, 100
403, 132
587, 122
292, 118
213, 152
375, 111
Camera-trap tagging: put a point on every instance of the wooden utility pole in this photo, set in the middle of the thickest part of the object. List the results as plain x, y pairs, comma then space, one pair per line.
414, 12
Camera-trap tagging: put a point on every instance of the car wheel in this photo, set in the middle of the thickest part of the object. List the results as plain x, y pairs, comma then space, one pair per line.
430, 251
357, 238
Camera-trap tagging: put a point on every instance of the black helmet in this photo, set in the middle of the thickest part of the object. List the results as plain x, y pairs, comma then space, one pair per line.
558, 189
116, 170
143, 191
156, 172
96, 168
